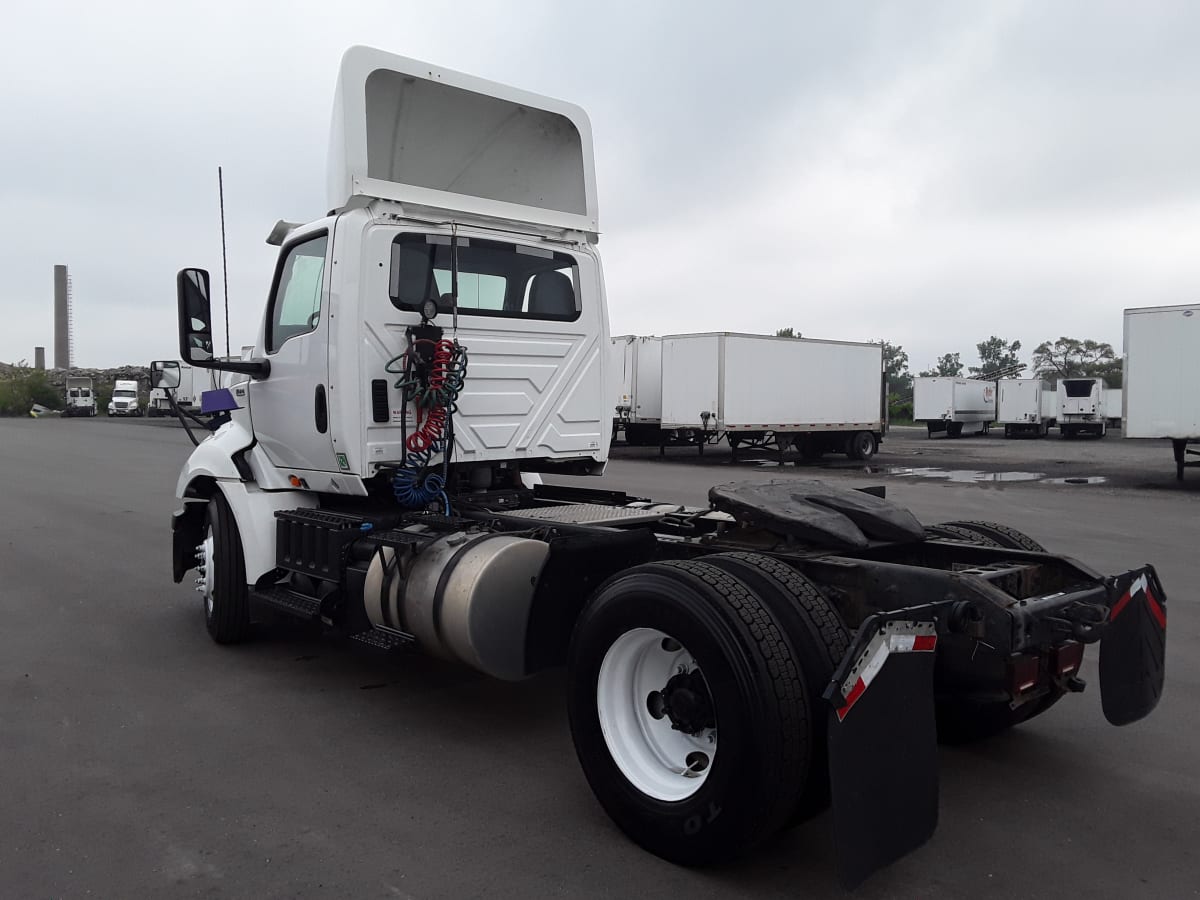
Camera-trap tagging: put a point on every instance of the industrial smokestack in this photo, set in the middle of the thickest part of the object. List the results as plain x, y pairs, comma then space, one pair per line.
39, 358
62, 320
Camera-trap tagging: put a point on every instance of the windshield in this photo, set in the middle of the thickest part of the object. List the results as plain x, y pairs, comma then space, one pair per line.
127, 394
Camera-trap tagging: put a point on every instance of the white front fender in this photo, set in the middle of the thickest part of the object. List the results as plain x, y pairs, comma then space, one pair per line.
253, 508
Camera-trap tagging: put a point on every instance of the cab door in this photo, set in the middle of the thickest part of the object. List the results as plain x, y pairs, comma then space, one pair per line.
290, 407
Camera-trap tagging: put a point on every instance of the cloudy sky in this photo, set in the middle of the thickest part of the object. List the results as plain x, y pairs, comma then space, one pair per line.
927, 173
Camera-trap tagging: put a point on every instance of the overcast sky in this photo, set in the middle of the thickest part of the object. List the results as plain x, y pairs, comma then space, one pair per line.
926, 173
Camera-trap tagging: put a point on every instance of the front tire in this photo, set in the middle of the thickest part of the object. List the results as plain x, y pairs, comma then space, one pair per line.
222, 569
727, 673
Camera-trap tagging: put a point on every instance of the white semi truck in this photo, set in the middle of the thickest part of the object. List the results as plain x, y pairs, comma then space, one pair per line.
81, 397
125, 400
1025, 406
637, 380
956, 406
1081, 407
440, 338
776, 393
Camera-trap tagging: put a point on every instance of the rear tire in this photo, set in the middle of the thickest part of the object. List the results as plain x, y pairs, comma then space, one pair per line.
754, 776
997, 535
819, 641
964, 722
954, 429
226, 594
861, 445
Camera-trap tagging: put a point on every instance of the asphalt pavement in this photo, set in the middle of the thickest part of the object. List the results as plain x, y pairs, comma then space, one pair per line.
137, 758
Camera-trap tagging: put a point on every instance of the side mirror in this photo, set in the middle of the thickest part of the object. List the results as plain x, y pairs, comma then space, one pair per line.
195, 316
164, 373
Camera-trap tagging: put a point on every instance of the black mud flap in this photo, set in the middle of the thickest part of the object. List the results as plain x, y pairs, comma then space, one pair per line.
883, 766
1133, 648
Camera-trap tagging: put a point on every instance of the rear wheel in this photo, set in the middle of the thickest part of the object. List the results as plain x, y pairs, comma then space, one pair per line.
861, 445
996, 535
961, 721
222, 575
819, 640
954, 429
688, 711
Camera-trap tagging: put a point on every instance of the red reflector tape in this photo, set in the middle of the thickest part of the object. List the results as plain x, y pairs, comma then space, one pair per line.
876, 654
1156, 610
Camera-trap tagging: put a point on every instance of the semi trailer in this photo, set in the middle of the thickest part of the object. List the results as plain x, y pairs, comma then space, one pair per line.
956, 406
434, 345
1081, 407
637, 375
1162, 362
81, 397
761, 391
1025, 406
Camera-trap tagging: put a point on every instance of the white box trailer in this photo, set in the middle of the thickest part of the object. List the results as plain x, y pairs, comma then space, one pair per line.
636, 362
1161, 388
1022, 404
758, 390
1081, 407
956, 406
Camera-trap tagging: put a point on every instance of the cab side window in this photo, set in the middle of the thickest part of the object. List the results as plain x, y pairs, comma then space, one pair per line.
296, 303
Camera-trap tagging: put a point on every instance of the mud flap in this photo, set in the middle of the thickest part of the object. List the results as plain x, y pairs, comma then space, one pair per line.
1133, 647
883, 766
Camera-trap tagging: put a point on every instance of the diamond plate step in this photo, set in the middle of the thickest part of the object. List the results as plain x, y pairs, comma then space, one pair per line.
288, 601
384, 640
591, 514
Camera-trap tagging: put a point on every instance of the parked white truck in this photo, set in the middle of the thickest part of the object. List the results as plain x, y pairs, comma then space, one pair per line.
1161, 371
125, 401
637, 376
956, 406
438, 339
762, 391
1081, 407
81, 397
1025, 406
185, 394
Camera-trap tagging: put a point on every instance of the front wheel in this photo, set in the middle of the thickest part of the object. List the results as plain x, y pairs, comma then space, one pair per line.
689, 713
221, 567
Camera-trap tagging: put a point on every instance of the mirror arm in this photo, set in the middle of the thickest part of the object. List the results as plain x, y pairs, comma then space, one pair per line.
257, 368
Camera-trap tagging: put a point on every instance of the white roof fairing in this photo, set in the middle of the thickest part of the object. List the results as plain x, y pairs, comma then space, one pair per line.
408, 131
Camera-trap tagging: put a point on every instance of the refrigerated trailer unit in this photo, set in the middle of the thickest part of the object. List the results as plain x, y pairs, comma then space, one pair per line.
956, 406
761, 391
1081, 407
1161, 386
81, 397
1021, 406
733, 667
637, 376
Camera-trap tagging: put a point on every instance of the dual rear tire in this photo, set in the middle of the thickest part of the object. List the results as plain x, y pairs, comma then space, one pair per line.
695, 702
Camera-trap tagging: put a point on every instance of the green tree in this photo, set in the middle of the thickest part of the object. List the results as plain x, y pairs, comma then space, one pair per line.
995, 355
21, 387
788, 332
948, 365
1073, 358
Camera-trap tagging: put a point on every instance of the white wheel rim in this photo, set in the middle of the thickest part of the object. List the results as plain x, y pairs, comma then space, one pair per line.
657, 759
204, 565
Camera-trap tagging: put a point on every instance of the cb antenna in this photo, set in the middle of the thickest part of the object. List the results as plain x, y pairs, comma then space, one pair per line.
224, 269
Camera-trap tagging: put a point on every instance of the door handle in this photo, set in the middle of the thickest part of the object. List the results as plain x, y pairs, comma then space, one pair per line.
321, 410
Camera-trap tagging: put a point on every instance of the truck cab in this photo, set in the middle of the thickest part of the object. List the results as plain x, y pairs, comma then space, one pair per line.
124, 400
